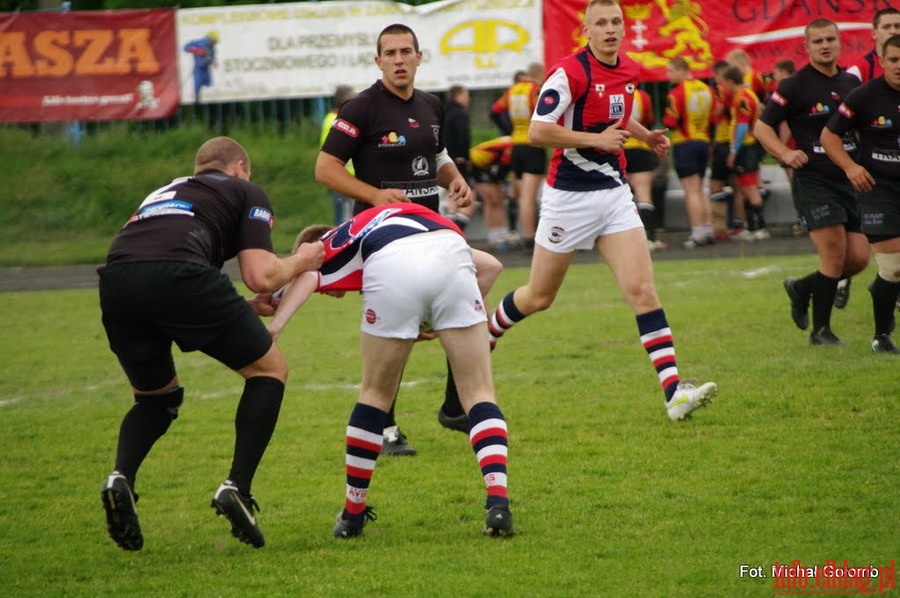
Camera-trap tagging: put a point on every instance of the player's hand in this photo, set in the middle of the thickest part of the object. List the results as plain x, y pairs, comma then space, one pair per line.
263, 304
459, 192
795, 159
658, 142
311, 255
612, 139
860, 178
729, 161
385, 196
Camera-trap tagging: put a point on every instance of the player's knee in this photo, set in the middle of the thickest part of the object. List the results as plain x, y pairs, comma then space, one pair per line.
888, 266
169, 402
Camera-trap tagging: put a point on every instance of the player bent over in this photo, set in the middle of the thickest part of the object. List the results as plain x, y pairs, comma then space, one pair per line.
413, 267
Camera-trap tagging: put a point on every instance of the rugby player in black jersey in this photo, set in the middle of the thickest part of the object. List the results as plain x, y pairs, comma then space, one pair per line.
824, 198
393, 132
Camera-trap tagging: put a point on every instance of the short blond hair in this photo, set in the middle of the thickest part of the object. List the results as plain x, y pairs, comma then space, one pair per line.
220, 153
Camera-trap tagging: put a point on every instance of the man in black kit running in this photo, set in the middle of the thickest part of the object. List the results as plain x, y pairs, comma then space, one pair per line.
825, 199
163, 284
394, 135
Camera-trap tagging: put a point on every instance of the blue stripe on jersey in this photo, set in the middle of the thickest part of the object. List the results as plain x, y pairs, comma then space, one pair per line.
395, 228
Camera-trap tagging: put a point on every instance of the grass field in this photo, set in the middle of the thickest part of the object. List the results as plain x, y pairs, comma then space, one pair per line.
795, 460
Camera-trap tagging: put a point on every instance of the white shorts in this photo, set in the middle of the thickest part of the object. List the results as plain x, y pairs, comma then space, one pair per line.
572, 220
423, 280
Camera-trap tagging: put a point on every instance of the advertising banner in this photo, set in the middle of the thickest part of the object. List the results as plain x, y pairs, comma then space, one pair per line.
306, 49
87, 65
703, 31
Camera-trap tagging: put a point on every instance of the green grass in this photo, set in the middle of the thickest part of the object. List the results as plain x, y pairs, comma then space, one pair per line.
796, 458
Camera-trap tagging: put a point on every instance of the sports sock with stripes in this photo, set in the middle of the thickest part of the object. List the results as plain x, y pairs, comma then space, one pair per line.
505, 316
657, 340
489, 438
364, 439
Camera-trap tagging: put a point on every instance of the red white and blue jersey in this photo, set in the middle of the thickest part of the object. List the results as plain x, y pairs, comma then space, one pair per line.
583, 94
349, 245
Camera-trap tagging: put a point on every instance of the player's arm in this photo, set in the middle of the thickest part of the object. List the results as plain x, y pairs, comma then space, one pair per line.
291, 300
264, 272
655, 138
770, 139
331, 171
449, 177
833, 145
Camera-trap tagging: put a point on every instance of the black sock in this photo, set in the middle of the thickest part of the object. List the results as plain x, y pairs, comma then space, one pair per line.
142, 426
254, 423
884, 301
451, 406
824, 289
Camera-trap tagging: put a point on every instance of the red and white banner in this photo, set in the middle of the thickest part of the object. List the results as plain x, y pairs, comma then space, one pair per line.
87, 65
703, 31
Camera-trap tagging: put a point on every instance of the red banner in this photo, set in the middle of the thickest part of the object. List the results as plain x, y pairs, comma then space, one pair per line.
703, 31
87, 65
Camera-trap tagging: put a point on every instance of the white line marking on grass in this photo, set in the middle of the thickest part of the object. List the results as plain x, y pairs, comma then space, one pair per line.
760, 272
5, 402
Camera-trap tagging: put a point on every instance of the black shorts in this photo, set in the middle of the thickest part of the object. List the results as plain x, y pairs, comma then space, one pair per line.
880, 210
638, 159
496, 174
822, 202
691, 157
719, 170
748, 158
528, 159
149, 305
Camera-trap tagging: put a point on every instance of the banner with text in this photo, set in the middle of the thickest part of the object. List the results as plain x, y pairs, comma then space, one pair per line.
87, 65
307, 49
703, 31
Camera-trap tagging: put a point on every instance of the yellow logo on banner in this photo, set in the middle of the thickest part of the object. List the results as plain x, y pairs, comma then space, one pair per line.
683, 23
485, 40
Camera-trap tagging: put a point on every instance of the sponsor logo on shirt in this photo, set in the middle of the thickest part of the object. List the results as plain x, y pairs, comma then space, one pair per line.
162, 208
599, 88
779, 99
420, 166
629, 88
392, 140
617, 105
263, 215
344, 127
882, 123
548, 102
819, 109
371, 316
413, 123
886, 155
845, 110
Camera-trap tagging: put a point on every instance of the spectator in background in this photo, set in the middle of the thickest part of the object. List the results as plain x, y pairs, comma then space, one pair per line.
641, 163
529, 163
490, 167
688, 115
756, 81
744, 153
458, 140
885, 24
342, 205
204, 52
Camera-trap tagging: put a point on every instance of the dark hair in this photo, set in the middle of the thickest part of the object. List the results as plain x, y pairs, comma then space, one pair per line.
819, 24
342, 93
720, 65
786, 65
883, 13
455, 91
397, 29
891, 42
680, 63
310, 234
734, 75
219, 153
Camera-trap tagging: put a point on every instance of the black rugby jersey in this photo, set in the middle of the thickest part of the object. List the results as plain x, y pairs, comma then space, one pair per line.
873, 110
806, 100
207, 219
393, 142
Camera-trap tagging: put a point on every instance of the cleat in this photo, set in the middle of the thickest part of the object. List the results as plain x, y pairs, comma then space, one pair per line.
882, 343
237, 507
744, 235
460, 423
121, 514
824, 336
842, 296
799, 307
498, 522
688, 398
395, 444
347, 528
762, 235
